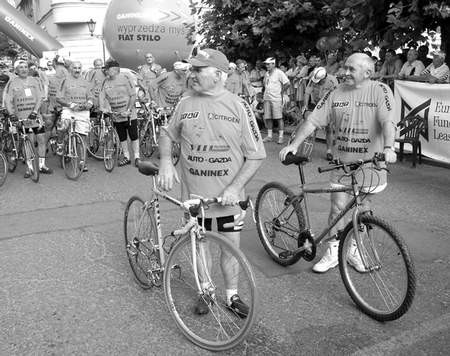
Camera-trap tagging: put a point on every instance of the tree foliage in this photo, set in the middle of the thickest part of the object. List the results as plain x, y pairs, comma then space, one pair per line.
256, 28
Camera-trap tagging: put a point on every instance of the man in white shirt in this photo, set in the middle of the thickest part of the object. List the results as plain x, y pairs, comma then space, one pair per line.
276, 83
436, 72
412, 66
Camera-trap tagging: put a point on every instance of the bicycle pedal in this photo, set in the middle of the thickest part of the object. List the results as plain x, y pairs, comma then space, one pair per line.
285, 255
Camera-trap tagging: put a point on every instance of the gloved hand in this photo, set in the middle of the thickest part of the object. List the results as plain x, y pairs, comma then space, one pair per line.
33, 116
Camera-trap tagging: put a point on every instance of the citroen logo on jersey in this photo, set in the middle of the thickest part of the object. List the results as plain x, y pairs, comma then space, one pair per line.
411, 115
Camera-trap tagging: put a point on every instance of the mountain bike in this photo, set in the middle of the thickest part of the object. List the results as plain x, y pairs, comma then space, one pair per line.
385, 288
103, 142
151, 121
181, 264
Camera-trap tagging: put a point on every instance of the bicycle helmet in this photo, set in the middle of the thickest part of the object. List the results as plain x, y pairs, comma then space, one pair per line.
318, 74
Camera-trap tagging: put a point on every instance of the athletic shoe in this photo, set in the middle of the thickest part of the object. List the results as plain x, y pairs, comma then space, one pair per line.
46, 170
238, 307
125, 161
267, 139
329, 156
136, 162
329, 259
354, 258
27, 174
201, 308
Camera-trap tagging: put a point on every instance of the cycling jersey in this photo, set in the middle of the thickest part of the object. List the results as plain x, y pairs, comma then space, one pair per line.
115, 96
54, 83
75, 90
169, 89
216, 134
96, 78
21, 97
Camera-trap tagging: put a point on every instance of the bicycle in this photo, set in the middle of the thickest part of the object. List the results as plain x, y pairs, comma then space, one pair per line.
103, 138
179, 263
385, 289
151, 121
3, 168
74, 152
8, 140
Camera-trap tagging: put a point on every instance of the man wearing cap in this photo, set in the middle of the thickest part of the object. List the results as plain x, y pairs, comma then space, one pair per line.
23, 98
4, 79
362, 113
170, 86
319, 84
221, 150
276, 83
436, 72
118, 97
76, 97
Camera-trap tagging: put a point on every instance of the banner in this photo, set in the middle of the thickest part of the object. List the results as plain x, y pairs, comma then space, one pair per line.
25, 33
431, 102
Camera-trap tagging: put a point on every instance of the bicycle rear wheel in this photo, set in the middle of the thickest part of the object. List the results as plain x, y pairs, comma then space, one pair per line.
110, 149
94, 142
74, 156
146, 144
140, 239
221, 328
3, 168
32, 158
279, 222
386, 289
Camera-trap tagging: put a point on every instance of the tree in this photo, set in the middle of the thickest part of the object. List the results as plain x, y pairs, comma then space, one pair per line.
256, 28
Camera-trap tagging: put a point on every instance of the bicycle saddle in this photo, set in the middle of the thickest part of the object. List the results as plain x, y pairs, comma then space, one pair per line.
294, 159
148, 168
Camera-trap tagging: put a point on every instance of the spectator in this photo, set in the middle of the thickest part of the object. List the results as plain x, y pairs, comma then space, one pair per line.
4, 78
412, 66
255, 76
276, 83
332, 65
258, 109
390, 69
423, 55
232, 83
436, 72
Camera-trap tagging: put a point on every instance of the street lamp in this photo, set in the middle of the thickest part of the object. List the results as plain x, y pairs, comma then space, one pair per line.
91, 26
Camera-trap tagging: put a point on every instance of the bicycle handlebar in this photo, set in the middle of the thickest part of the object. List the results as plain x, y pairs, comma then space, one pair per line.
337, 164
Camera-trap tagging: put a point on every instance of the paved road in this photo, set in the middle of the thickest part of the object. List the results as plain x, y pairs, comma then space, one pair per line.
66, 287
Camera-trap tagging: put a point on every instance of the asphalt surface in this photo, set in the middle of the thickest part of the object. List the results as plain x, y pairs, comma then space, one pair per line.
66, 287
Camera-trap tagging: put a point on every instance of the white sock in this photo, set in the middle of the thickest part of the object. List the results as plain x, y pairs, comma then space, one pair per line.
41, 162
269, 133
329, 151
135, 147
126, 153
230, 293
281, 133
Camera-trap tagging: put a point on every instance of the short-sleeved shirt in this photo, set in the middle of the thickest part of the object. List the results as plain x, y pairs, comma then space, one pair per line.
216, 134
96, 78
234, 83
116, 94
273, 84
357, 116
317, 91
169, 89
414, 68
54, 83
22, 96
442, 72
147, 74
4, 79
75, 90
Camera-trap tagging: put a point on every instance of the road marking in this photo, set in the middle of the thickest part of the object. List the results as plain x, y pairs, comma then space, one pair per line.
407, 338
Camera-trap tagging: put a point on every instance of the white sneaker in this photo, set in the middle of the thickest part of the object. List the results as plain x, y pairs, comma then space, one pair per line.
267, 139
329, 259
354, 258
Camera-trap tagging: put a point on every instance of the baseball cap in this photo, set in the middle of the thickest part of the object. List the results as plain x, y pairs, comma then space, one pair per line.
209, 57
318, 74
111, 63
270, 60
60, 60
179, 65
232, 65
19, 62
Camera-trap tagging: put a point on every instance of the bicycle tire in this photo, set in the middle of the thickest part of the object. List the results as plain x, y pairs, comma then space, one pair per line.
181, 293
110, 149
94, 143
140, 232
51, 145
379, 273
146, 144
11, 155
279, 219
73, 161
3, 168
30, 154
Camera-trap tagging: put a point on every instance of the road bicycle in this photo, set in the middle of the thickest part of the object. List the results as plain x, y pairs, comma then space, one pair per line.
103, 142
3, 168
8, 139
181, 263
385, 288
73, 156
150, 122
53, 140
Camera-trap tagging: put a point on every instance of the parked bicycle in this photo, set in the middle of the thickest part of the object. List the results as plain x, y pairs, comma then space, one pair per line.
150, 122
73, 156
103, 142
8, 140
181, 263
3, 168
385, 288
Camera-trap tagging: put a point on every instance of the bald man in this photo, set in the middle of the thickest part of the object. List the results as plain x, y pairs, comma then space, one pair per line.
362, 114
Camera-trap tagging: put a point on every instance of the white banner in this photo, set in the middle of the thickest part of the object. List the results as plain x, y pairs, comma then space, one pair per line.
431, 102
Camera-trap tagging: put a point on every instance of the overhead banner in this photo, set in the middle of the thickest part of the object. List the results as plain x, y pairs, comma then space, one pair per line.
25, 33
431, 102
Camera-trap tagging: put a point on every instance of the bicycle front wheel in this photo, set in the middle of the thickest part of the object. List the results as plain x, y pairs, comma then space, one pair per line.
385, 285
31, 159
74, 156
94, 142
110, 149
140, 238
220, 328
3, 168
10, 152
279, 221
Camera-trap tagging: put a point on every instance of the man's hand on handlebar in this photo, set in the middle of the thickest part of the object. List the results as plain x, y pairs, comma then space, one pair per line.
230, 195
288, 149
